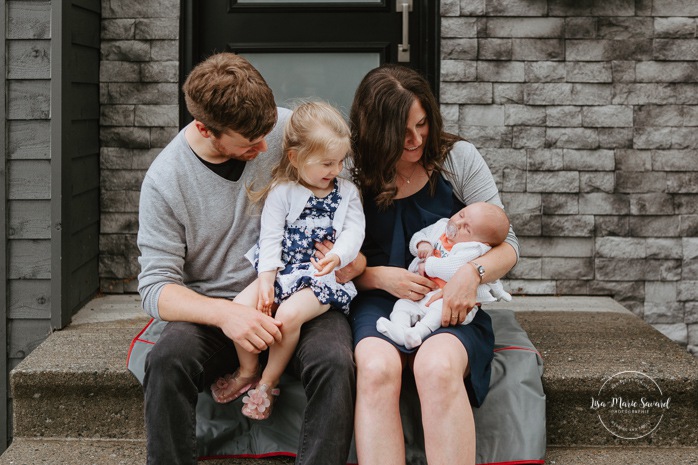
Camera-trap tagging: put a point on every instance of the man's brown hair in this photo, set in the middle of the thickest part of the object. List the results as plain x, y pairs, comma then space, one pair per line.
225, 92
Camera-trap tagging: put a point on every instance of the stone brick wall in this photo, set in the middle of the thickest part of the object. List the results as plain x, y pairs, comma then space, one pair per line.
586, 111
139, 115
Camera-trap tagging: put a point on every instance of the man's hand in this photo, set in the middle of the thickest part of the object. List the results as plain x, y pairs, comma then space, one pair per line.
253, 330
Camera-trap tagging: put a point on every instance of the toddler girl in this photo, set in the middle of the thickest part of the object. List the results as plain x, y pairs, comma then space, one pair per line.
305, 203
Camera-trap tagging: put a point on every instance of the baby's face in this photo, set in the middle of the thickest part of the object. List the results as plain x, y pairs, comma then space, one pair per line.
464, 227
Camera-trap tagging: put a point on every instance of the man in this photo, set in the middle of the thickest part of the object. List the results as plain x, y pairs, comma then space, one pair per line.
196, 223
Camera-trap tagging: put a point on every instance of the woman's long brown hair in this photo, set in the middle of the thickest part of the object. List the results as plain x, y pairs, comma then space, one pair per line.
378, 121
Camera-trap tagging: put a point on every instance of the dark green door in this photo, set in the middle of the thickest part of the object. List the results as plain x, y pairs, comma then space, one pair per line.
313, 48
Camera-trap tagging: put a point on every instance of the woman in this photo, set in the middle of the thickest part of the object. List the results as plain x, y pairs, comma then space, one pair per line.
411, 174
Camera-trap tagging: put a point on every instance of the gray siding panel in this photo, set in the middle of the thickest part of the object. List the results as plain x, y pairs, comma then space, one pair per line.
79, 152
90, 5
84, 29
29, 179
31, 59
29, 219
30, 299
84, 102
87, 241
84, 140
5, 404
84, 280
29, 20
83, 218
29, 259
29, 140
51, 169
28, 99
26, 335
84, 178
83, 74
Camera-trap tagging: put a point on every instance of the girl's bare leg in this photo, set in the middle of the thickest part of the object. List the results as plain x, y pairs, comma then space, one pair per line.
377, 425
235, 383
439, 367
293, 312
249, 362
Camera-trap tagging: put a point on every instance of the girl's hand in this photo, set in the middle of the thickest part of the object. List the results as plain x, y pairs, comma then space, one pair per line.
402, 283
326, 264
460, 295
266, 292
347, 272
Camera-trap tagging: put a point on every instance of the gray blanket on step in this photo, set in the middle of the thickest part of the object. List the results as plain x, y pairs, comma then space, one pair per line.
510, 425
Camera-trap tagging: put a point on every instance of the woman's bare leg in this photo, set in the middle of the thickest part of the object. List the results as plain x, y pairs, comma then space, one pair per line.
378, 428
439, 367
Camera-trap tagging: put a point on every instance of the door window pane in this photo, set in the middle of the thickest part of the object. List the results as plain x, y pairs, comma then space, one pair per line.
332, 77
290, 2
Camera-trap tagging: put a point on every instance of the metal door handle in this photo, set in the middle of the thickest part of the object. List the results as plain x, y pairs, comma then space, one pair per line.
403, 49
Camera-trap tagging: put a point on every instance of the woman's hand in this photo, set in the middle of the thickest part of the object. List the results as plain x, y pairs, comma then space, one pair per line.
401, 283
459, 295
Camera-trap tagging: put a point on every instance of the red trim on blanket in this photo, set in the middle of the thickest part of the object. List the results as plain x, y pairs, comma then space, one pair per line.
254, 456
248, 456
290, 454
528, 349
516, 462
138, 339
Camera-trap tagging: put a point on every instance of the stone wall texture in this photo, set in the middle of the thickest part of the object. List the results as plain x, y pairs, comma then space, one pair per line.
586, 112
139, 77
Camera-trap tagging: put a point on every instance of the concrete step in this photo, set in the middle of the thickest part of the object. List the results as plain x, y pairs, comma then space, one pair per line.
24, 451
582, 350
76, 384
42, 451
627, 455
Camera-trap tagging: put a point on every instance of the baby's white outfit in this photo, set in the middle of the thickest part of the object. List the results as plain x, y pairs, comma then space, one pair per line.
410, 322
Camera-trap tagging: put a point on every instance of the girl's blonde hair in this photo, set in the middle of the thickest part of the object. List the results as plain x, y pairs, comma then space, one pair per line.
313, 129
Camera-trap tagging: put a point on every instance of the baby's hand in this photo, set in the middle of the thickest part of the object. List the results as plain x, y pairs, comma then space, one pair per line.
421, 269
424, 249
325, 266
266, 292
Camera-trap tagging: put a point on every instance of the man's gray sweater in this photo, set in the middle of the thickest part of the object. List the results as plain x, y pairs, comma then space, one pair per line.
195, 226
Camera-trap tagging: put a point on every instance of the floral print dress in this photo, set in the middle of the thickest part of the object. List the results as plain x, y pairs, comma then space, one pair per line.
313, 225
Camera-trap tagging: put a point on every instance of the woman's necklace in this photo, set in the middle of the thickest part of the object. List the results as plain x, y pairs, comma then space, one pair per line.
407, 178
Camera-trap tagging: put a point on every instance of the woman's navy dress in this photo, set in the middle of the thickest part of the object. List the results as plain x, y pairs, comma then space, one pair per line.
388, 234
